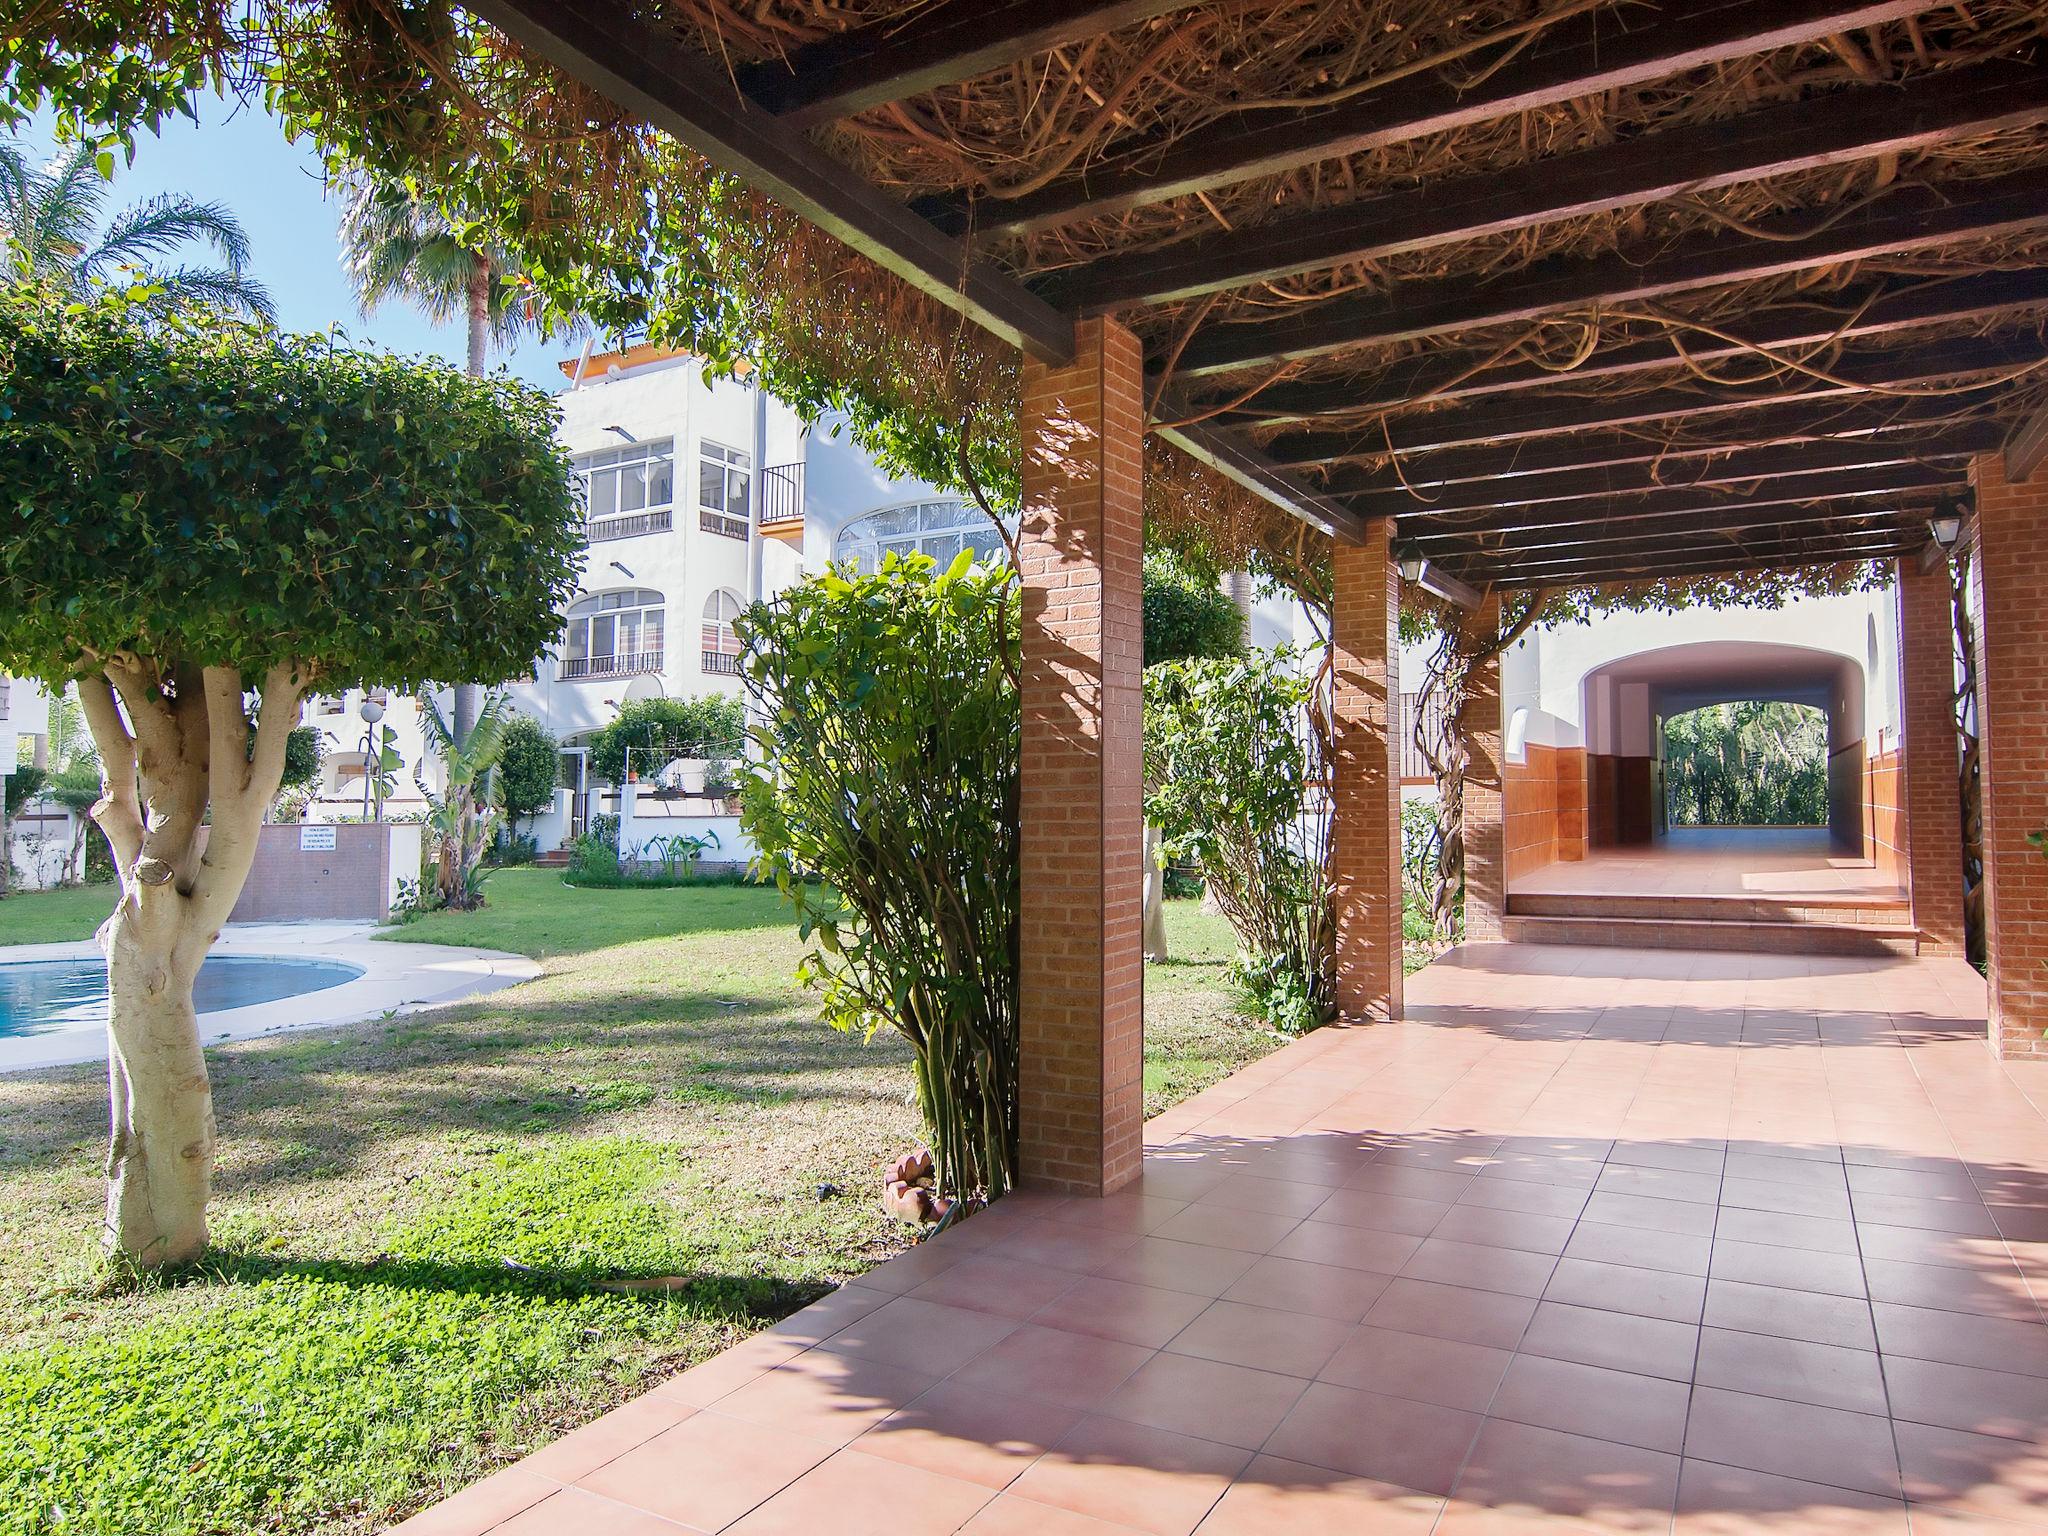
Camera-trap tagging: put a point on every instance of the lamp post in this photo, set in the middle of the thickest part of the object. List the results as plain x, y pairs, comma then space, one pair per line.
373, 759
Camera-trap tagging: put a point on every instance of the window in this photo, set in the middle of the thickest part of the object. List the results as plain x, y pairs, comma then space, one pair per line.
721, 640
613, 634
725, 484
634, 477
940, 529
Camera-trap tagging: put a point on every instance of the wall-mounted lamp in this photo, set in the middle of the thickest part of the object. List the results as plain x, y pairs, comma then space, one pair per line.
1412, 566
629, 437
1946, 525
623, 571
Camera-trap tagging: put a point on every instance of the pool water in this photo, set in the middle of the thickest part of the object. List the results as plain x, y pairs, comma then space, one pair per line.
39, 997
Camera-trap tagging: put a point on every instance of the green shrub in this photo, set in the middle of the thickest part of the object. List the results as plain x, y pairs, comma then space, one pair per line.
1233, 748
529, 764
712, 726
888, 818
1187, 613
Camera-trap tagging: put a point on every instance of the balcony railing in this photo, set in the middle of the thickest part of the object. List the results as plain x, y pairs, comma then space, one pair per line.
719, 664
725, 527
626, 665
782, 493
599, 529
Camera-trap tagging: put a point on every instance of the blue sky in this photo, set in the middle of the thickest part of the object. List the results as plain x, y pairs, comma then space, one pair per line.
239, 156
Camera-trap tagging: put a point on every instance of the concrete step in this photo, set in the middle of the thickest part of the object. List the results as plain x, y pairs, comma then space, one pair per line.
557, 858
1755, 937
1805, 907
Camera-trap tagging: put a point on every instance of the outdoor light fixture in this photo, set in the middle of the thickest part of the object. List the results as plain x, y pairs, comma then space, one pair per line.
629, 437
624, 572
1412, 565
1947, 523
373, 760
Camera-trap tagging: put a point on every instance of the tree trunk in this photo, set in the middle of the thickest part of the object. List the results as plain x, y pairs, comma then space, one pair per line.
1155, 898
479, 313
161, 1153
6, 842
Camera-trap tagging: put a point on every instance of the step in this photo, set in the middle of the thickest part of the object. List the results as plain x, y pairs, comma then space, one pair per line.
557, 859
1803, 907
1770, 938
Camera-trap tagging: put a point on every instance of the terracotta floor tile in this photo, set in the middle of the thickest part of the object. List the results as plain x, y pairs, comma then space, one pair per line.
1994, 1288
1623, 1288
1810, 1315
1273, 1496
906, 1271
1964, 1218
1686, 1157
1270, 1340
1619, 1341
1396, 1440
1005, 1286
1008, 1515
1209, 1399
1058, 1243
1526, 1231
1115, 1309
1538, 1199
1245, 1191
1442, 1371
826, 1396
1777, 1229
707, 1471
1790, 1199
1124, 1211
961, 1431
572, 1512
1612, 1209
1969, 1398
1525, 1477
1382, 1212
1220, 1226
1492, 1318
1680, 1253
1133, 1475
1481, 1267
1791, 1269
481, 1506
1822, 1445
607, 1438
920, 1335
1732, 1501
1995, 1343
857, 1495
1323, 1242
1194, 1268
1646, 1411
1310, 1290
1659, 1183
1073, 1369
1802, 1371
1985, 1474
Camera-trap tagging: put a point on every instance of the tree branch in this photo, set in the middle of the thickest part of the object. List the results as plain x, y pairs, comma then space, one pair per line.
119, 812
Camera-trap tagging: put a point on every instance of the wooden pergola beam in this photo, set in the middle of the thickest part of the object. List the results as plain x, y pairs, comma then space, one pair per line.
1680, 564
1486, 422
932, 46
1918, 432
1740, 466
1597, 536
646, 71
1837, 129
1893, 304
1898, 482
1908, 219
1594, 52
2027, 448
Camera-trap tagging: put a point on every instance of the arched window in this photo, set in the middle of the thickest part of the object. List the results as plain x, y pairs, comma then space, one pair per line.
721, 640
940, 529
613, 634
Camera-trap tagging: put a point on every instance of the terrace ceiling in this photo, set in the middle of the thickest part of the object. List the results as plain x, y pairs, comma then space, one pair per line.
1572, 290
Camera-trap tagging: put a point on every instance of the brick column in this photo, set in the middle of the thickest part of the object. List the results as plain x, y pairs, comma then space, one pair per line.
1366, 776
1932, 762
1082, 1090
2011, 576
1486, 845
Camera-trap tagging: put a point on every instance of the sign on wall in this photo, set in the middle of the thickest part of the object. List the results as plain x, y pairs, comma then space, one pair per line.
316, 839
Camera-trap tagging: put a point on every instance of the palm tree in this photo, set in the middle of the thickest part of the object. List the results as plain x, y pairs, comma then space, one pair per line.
54, 219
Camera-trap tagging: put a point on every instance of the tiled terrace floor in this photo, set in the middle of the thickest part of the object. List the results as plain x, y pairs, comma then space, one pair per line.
1597, 1240
1717, 861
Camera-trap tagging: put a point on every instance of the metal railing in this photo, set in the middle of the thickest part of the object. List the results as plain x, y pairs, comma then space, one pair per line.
719, 664
782, 493
626, 665
722, 525
1413, 764
599, 529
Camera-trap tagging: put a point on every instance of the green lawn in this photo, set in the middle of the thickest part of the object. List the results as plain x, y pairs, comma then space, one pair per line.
54, 917
429, 1230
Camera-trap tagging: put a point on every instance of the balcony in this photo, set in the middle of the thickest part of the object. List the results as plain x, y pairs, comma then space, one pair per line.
631, 664
722, 525
600, 529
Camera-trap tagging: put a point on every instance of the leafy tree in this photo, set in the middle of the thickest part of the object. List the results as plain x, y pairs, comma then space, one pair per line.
1187, 615
529, 766
304, 750
52, 222
204, 522
77, 788
711, 725
1233, 753
1753, 763
462, 819
889, 820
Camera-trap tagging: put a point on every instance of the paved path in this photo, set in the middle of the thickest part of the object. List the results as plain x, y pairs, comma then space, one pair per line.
1597, 1240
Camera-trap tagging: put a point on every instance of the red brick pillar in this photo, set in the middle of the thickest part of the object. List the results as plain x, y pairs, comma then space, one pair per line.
2011, 575
1486, 844
1366, 776
1082, 1091
1929, 787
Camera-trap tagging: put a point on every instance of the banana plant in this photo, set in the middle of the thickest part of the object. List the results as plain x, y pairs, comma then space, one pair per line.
463, 817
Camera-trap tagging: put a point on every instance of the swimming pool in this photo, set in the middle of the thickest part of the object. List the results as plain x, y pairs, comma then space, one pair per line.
40, 997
